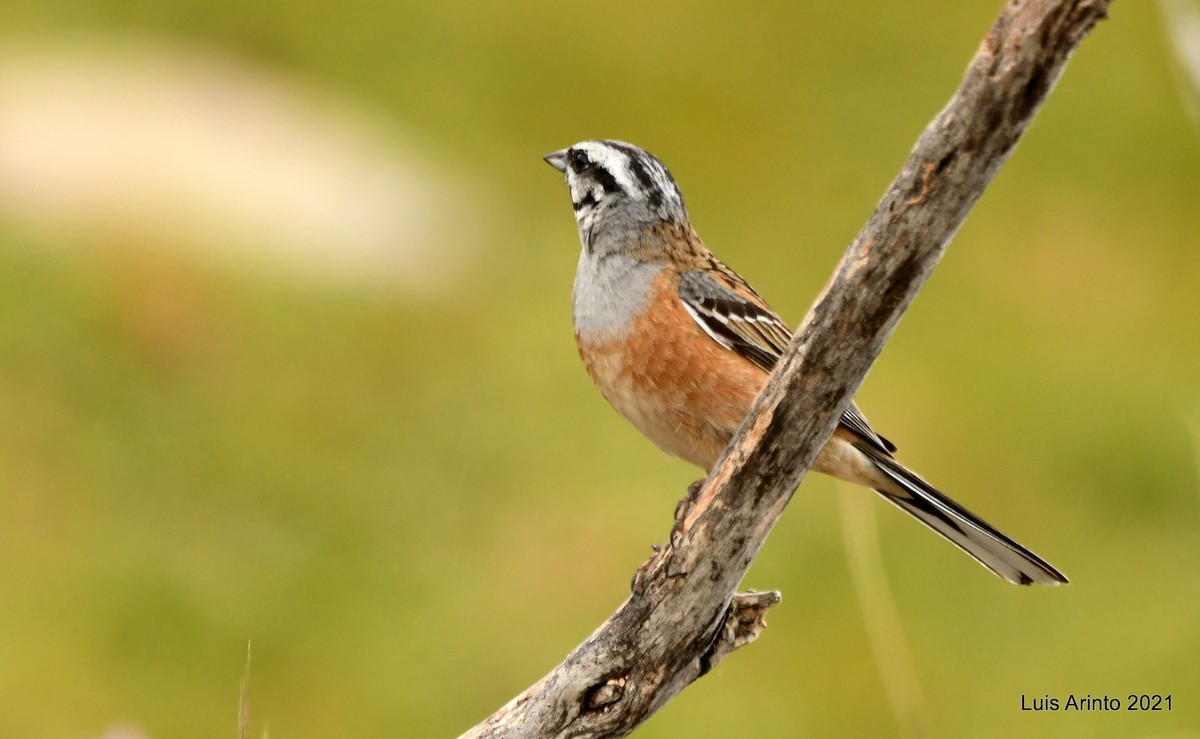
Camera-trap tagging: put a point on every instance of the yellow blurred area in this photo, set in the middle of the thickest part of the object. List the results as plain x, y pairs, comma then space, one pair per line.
286, 356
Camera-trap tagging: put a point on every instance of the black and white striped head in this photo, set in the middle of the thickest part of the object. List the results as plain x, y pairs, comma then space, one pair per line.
617, 189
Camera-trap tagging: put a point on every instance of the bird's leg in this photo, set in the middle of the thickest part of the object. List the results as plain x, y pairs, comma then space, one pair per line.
638, 584
682, 509
685, 506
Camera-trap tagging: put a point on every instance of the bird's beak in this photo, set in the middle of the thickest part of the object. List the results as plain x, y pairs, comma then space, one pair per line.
558, 160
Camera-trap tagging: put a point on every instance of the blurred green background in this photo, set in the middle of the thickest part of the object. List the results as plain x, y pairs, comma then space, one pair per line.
391, 472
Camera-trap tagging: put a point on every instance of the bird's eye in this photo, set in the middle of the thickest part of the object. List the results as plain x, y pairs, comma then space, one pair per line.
578, 160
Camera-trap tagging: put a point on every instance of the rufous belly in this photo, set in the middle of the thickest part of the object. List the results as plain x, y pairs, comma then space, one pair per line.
679, 387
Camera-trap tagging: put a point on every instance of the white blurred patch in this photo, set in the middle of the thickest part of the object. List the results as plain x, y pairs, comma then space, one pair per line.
1182, 18
175, 146
124, 731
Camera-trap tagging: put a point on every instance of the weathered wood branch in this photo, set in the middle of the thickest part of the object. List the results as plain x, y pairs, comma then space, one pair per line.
685, 616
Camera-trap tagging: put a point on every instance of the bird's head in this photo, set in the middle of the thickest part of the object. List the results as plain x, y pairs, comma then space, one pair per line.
617, 190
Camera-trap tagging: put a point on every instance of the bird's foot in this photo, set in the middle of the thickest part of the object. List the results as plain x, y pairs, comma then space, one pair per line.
685, 507
637, 585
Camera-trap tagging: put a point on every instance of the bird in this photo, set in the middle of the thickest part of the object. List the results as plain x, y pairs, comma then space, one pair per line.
680, 344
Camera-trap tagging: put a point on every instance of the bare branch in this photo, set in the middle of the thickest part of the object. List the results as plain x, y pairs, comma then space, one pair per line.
684, 615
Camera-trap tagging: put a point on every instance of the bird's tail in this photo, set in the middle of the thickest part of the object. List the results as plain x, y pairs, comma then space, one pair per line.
970, 533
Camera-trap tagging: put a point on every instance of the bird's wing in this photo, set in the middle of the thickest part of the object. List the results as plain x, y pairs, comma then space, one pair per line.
752, 329
733, 321
855, 421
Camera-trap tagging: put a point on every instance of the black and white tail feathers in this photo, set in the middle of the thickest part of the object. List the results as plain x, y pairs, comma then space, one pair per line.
973, 535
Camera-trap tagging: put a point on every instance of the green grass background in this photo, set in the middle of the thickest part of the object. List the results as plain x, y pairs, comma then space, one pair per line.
415, 506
